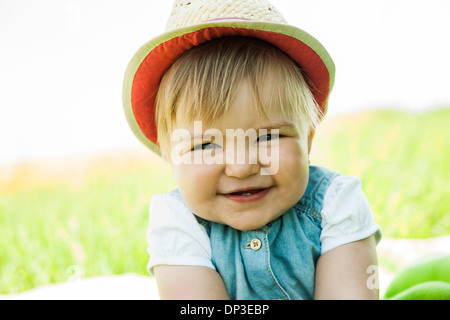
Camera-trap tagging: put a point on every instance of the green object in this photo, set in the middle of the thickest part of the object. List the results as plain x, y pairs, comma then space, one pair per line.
428, 279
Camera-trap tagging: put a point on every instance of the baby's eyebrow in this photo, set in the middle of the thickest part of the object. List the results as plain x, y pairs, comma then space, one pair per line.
278, 125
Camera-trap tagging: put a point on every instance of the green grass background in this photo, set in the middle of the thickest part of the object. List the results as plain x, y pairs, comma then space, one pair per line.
99, 224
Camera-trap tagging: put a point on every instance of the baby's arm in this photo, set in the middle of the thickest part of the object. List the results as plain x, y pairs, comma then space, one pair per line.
180, 252
342, 273
189, 283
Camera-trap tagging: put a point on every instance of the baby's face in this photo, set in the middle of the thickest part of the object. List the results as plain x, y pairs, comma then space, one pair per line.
241, 183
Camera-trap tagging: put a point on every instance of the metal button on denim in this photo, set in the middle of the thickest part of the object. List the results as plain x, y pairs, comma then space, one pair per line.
255, 244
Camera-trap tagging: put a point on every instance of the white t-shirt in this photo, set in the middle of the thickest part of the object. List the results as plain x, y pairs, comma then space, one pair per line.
176, 238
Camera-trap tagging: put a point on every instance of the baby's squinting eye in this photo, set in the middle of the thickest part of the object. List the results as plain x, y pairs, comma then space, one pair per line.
205, 146
268, 137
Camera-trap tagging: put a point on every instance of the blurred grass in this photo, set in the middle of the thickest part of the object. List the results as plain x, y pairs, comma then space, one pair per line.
403, 161
92, 213
96, 222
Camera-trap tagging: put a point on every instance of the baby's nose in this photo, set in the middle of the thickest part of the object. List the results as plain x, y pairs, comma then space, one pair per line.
241, 171
241, 162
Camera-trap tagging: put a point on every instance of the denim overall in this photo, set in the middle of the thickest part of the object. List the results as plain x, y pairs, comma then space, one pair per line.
277, 261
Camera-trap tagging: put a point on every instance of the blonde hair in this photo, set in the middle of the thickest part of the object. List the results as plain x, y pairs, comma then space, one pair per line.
203, 82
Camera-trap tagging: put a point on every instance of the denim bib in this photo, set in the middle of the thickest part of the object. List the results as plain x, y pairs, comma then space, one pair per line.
277, 261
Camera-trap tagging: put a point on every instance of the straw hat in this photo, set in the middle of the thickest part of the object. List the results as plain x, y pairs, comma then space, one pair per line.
193, 22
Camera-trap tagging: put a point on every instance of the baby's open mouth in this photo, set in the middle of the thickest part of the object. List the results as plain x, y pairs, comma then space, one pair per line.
247, 196
247, 192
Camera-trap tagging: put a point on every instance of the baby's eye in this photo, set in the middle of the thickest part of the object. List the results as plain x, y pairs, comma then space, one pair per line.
206, 146
268, 137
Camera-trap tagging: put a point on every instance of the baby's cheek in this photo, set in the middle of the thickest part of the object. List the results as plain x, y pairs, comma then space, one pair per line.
197, 183
293, 172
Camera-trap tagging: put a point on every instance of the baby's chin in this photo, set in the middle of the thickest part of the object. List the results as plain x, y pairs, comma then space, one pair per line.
239, 224
251, 224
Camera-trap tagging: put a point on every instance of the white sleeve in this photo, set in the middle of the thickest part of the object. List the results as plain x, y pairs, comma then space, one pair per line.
346, 214
174, 236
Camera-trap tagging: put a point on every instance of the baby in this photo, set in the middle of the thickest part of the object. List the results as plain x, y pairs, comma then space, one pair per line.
233, 101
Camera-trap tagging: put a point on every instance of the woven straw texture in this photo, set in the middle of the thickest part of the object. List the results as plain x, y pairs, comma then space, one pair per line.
190, 12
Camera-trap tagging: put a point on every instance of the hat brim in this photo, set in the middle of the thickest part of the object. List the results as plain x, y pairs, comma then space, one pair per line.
148, 65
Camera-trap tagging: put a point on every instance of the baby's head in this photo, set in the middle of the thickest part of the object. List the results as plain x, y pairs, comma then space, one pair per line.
223, 72
255, 91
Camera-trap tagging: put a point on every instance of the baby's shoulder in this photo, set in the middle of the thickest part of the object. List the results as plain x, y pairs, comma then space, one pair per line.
320, 179
168, 204
172, 197
326, 186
